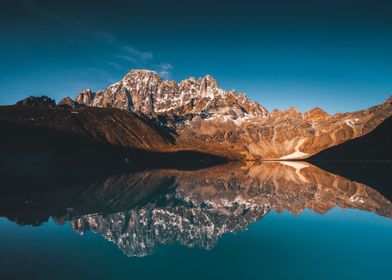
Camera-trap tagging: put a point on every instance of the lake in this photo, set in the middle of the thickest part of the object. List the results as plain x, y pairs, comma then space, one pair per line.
268, 220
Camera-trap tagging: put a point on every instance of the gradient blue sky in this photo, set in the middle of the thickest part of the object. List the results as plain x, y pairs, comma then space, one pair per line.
332, 54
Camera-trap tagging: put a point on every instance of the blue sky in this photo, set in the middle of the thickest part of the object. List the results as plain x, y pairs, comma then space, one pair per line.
332, 54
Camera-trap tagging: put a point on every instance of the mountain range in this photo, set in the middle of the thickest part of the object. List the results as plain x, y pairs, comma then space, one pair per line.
143, 112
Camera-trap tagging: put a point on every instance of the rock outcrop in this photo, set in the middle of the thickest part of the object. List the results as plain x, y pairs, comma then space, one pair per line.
67, 102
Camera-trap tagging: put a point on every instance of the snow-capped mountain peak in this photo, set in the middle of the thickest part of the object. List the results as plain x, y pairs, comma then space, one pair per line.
146, 92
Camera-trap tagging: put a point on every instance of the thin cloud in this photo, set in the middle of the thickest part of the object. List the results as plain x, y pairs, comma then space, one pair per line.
130, 55
116, 56
164, 70
142, 55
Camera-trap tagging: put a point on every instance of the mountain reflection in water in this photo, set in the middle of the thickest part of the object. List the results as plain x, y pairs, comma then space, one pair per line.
141, 211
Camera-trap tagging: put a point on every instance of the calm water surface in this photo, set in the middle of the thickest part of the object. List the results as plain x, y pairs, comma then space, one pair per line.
237, 221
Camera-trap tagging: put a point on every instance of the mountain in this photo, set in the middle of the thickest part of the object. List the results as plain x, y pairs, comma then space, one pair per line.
197, 115
209, 119
145, 92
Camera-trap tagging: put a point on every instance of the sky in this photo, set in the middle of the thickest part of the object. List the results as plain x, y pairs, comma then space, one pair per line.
333, 54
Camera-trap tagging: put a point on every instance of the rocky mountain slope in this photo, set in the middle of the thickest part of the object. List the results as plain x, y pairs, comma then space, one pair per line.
367, 147
226, 123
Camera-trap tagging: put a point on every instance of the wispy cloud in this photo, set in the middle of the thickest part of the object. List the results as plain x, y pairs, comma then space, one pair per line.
127, 57
116, 54
142, 55
132, 56
164, 70
123, 57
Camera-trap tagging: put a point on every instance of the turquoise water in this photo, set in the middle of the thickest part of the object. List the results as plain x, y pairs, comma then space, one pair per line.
201, 225
349, 244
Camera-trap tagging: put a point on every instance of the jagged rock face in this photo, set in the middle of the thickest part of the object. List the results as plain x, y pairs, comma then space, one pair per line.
315, 114
85, 97
208, 119
42, 102
144, 91
211, 202
69, 103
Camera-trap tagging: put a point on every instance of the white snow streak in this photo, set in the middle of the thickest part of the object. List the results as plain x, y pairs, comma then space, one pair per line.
297, 154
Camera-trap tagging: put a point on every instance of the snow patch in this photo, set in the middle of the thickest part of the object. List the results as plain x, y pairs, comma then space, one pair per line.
297, 154
351, 122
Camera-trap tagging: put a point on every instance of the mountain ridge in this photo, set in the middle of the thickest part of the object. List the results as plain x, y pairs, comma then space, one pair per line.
145, 92
208, 118
202, 117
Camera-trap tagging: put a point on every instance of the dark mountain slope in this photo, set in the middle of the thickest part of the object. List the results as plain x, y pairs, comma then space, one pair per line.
376, 145
83, 139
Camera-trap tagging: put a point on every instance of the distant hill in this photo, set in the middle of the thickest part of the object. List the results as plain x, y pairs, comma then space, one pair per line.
84, 139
